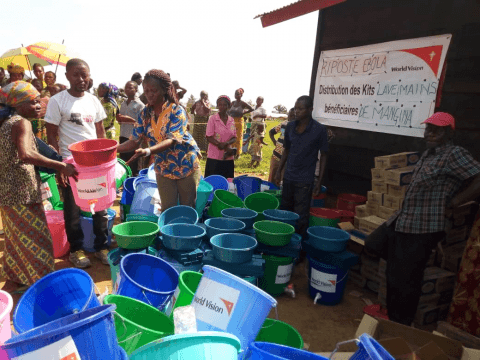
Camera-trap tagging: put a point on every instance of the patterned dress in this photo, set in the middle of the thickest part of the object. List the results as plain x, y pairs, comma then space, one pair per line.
28, 254
109, 122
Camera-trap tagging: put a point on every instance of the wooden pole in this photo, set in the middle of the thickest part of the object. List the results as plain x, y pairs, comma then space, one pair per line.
58, 59
29, 66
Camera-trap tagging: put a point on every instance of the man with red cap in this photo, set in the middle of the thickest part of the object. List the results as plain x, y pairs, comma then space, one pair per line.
446, 177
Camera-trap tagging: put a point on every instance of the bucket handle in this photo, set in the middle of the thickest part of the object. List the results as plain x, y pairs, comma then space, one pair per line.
75, 311
123, 323
356, 341
131, 337
276, 318
145, 295
308, 275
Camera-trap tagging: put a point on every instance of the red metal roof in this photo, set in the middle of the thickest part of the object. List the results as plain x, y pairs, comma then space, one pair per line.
294, 10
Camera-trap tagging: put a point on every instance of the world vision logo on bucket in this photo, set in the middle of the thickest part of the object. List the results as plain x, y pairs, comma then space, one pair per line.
229, 306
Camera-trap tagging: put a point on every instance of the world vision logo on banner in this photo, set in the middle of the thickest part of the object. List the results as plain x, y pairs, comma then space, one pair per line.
103, 184
333, 282
229, 306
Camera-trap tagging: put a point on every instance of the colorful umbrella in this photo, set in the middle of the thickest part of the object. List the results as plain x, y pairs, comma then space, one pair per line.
52, 52
22, 57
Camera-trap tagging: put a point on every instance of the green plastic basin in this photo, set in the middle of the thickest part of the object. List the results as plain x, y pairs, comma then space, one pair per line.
135, 234
273, 233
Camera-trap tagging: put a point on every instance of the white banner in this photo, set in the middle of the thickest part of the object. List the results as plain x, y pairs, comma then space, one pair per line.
389, 87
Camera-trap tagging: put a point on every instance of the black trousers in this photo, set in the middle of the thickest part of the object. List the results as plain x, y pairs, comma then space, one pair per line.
406, 256
296, 197
126, 156
225, 168
71, 214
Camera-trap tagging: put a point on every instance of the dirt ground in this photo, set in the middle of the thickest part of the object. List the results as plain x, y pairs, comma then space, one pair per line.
320, 326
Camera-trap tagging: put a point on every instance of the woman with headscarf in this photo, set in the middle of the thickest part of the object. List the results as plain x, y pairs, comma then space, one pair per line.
163, 123
108, 97
237, 110
221, 134
201, 110
28, 245
16, 72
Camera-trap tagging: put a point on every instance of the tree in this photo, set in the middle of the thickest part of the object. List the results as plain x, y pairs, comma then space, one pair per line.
280, 109
191, 100
251, 103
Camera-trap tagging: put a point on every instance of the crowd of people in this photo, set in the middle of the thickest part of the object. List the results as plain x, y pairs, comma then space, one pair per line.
155, 128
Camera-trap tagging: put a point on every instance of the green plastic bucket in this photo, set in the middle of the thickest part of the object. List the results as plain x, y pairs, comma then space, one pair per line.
59, 206
261, 201
187, 285
224, 200
279, 332
324, 217
137, 323
124, 211
122, 171
278, 271
49, 188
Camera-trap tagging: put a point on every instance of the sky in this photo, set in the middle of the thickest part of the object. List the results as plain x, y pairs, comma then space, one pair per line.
212, 45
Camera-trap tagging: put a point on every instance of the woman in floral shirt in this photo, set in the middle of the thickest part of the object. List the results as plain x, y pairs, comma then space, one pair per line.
163, 123
108, 97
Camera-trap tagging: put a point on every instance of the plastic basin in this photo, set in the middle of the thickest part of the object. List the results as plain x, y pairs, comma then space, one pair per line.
94, 152
139, 217
273, 233
204, 191
182, 236
233, 248
122, 172
327, 238
246, 216
324, 217
135, 234
287, 217
179, 214
350, 201
261, 202
279, 332
223, 200
217, 226
218, 182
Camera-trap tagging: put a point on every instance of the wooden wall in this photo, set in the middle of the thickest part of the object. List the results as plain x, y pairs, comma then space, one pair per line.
364, 22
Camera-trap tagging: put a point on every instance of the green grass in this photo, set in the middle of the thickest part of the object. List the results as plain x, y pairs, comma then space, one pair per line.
242, 165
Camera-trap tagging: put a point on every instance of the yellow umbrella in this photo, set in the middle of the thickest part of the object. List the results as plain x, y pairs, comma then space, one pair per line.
22, 57
52, 52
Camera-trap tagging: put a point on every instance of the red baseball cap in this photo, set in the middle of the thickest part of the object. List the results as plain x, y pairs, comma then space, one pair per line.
441, 119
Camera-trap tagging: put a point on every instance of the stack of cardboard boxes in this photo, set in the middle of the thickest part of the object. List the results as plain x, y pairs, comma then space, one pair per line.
390, 179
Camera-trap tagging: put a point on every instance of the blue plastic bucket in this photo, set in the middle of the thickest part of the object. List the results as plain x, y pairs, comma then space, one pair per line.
92, 333
233, 248
144, 199
54, 296
128, 191
147, 278
204, 191
327, 280
370, 349
287, 217
143, 172
151, 173
247, 216
199, 346
179, 214
266, 185
247, 185
218, 182
269, 351
225, 302
86, 223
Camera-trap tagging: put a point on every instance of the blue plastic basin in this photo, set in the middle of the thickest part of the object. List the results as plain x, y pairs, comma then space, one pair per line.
217, 226
247, 216
179, 214
182, 236
284, 216
233, 248
327, 238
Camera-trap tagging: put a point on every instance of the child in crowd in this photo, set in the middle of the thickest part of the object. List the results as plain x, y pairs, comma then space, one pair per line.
258, 134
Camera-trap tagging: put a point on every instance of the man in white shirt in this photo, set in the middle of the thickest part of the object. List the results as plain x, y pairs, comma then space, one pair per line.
76, 115
128, 117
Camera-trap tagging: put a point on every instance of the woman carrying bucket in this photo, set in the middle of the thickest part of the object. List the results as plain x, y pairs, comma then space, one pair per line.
163, 123
28, 243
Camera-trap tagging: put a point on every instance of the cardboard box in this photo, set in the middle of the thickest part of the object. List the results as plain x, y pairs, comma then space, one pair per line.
396, 190
378, 174
392, 202
416, 339
356, 222
372, 208
455, 333
379, 187
397, 160
375, 198
370, 223
361, 211
428, 314
437, 280
357, 278
451, 256
399, 177
385, 212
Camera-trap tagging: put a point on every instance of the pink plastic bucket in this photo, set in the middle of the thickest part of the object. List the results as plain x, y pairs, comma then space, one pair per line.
56, 225
96, 187
6, 305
